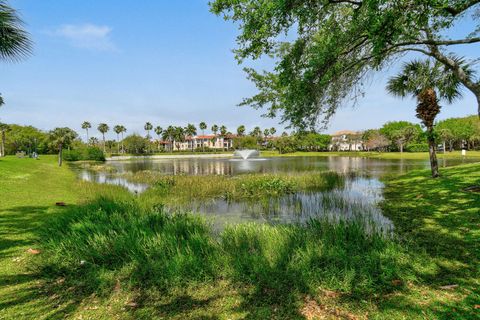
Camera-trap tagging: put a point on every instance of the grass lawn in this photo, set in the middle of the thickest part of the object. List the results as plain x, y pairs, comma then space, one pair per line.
249, 273
378, 155
29, 190
443, 220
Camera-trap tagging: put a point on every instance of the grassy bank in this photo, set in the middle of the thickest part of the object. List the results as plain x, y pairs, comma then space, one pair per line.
109, 254
377, 155
443, 219
29, 190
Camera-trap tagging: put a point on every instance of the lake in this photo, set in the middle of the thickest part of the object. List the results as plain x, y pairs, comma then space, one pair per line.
356, 199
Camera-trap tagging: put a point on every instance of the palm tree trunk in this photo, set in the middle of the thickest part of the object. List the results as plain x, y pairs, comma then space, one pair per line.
432, 153
123, 149
118, 143
2, 148
60, 156
104, 150
444, 147
87, 135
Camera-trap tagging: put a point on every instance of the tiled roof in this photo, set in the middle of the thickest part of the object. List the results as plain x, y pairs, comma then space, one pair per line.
342, 132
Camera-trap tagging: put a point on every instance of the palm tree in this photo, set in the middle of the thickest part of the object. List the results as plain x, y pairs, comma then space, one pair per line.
178, 136
118, 129
61, 138
191, 131
3, 129
257, 132
103, 128
15, 43
169, 135
202, 127
148, 126
223, 134
122, 132
273, 131
215, 129
241, 130
93, 141
86, 125
158, 130
428, 82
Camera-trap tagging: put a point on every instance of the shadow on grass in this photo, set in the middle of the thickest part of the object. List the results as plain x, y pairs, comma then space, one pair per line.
442, 220
22, 287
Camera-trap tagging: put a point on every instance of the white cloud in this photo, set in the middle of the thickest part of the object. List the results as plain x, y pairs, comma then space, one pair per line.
87, 36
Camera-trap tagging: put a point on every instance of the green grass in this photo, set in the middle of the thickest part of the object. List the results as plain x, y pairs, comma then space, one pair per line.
444, 221
109, 254
377, 155
110, 243
29, 189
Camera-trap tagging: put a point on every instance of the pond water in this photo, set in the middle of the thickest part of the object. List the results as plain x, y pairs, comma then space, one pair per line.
356, 198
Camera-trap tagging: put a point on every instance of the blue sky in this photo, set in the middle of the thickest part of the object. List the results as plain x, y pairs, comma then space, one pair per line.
167, 62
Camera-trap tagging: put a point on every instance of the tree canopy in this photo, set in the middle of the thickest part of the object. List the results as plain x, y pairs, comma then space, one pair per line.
324, 50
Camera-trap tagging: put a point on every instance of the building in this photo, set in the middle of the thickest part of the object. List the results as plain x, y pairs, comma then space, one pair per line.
346, 140
210, 141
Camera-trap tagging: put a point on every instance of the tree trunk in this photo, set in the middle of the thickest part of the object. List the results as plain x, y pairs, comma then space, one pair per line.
444, 147
2, 147
401, 147
432, 153
87, 136
103, 137
60, 149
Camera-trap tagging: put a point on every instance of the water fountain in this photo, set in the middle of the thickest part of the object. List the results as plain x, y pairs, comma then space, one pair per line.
246, 154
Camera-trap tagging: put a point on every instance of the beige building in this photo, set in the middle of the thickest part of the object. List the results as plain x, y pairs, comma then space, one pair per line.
346, 140
209, 141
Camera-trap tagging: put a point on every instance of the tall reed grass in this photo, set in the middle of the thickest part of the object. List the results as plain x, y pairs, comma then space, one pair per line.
106, 242
181, 189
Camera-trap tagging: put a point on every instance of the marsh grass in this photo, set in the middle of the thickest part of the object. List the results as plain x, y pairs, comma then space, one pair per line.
107, 242
183, 189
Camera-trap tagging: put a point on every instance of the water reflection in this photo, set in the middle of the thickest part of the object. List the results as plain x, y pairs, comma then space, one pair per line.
103, 177
357, 198
215, 166
356, 201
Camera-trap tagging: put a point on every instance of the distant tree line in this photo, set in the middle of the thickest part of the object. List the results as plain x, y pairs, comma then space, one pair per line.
450, 134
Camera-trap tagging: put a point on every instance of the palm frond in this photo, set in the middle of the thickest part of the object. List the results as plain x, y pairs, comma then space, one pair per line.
15, 43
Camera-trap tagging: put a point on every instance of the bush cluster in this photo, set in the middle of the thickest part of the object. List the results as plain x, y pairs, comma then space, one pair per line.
417, 147
88, 153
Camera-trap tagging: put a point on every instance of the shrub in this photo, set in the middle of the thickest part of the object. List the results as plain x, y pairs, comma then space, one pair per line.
88, 153
417, 147
72, 155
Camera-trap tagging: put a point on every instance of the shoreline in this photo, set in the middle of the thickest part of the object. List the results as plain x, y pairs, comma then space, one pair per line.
171, 156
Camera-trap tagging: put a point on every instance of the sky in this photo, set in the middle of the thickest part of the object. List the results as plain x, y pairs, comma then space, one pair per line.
167, 62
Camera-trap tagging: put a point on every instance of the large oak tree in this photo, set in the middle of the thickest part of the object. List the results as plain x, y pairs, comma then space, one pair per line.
325, 49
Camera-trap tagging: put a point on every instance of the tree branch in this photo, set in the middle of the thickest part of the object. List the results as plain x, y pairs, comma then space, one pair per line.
455, 11
439, 42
